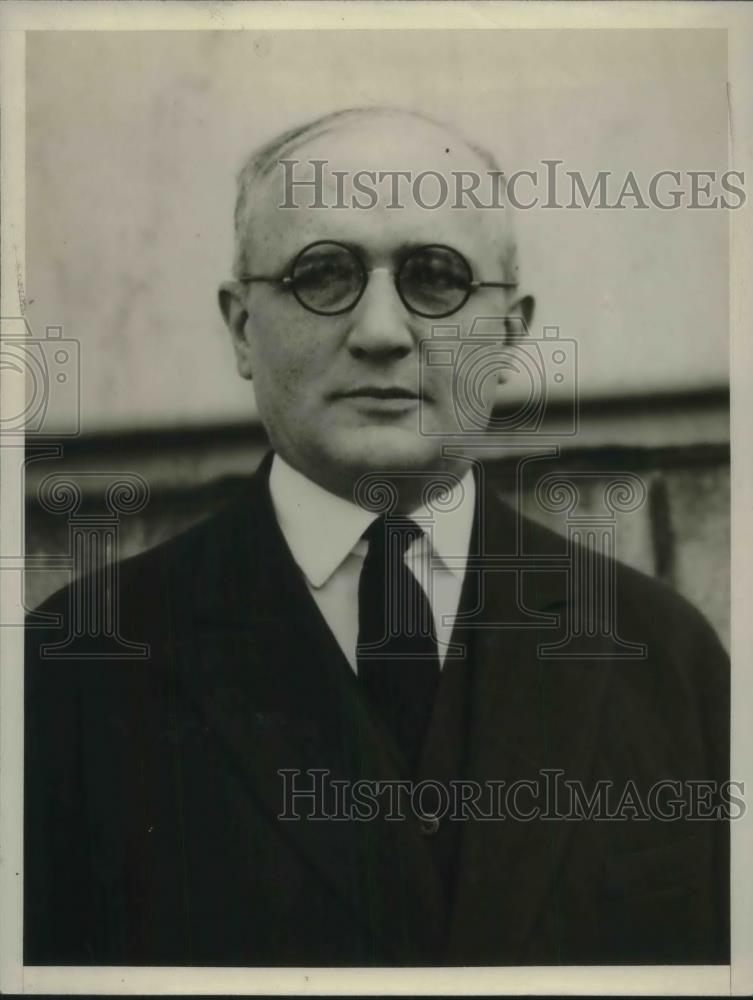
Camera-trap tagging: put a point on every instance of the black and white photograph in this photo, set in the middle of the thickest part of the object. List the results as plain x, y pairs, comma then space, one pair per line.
370, 531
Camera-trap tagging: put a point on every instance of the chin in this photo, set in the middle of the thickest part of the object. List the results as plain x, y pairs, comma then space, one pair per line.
377, 449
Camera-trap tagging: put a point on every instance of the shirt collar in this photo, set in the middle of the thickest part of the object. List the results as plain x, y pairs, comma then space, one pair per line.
321, 529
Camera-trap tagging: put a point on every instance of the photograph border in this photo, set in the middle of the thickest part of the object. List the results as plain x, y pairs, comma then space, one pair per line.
16, 18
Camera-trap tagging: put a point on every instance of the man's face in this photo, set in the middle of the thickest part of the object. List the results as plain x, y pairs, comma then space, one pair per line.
349, 394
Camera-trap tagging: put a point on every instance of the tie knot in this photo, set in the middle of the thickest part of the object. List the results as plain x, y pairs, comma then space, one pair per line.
392, 534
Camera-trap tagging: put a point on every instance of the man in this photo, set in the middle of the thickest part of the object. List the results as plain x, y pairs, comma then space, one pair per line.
368, 617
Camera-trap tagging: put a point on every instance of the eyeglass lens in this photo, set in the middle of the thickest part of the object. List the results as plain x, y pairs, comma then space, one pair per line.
329, 278
434, 281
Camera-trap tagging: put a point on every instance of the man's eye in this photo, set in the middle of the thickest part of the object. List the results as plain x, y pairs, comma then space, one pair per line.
436, 275
442, 277
323, 272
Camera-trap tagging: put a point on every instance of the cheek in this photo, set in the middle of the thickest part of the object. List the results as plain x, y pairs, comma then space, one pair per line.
467, 390
286, 365
481, 375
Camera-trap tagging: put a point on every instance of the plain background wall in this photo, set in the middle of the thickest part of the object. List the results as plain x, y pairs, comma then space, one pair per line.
134, 139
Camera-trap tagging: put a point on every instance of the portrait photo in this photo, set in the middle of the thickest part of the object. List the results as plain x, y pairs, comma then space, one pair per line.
375, 501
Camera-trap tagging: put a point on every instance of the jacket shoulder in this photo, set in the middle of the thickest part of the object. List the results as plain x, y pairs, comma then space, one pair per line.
644, 605
182, 555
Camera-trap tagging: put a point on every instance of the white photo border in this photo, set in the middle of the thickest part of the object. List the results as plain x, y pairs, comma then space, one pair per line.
16, 18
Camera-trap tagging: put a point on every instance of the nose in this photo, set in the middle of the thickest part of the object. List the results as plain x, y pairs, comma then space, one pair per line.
381, 325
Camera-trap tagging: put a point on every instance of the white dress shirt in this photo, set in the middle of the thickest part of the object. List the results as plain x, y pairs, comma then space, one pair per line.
323, 532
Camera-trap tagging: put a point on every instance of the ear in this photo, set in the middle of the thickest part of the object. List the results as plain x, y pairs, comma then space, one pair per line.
232, 302
519, 319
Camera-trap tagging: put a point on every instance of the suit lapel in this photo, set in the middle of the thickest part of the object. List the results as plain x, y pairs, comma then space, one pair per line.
254, 657
259, 663
527, 714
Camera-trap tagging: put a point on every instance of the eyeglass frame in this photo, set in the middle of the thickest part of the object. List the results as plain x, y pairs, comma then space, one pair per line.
286, 280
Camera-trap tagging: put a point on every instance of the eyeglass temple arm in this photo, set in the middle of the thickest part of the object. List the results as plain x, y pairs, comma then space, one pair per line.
494, 284
248, 278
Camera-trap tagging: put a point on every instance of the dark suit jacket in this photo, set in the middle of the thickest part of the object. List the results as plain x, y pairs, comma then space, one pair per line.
153, 793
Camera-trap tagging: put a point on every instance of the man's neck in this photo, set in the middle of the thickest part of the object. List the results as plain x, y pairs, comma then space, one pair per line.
398, 491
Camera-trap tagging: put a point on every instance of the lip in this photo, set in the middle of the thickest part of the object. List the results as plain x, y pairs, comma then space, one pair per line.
375, 392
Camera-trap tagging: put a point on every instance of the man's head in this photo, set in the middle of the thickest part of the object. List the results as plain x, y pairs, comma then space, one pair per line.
354, 392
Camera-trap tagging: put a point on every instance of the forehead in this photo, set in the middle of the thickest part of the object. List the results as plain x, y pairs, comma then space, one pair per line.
391, 142
363, 149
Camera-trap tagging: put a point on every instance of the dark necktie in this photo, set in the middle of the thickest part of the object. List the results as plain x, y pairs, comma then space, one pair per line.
398, 660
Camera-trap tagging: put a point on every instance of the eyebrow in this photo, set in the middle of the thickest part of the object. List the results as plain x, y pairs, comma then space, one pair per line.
402, 249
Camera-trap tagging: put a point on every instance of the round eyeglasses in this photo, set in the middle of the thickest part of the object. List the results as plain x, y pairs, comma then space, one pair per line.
329, 278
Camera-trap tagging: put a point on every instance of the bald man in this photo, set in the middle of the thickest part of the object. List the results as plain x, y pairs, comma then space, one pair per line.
347, 744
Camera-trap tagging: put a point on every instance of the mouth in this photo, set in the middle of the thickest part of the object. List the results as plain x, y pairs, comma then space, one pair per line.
382, 402
375, 392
